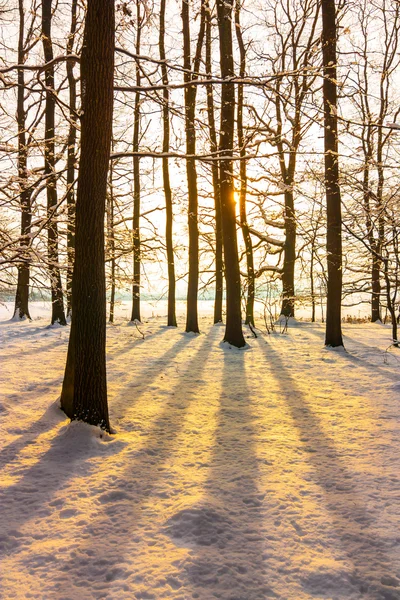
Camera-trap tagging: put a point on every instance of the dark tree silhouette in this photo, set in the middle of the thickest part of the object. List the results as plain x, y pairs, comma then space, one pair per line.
233, 331
57, 302
21, 310
171, 318
333, 334
84, 392
190, 110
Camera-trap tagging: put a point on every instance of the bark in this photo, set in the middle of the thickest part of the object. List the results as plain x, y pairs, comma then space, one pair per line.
249, 319
111, 242
171, 318
71, 158
57, 302
233, 331
333, 333
21, 310
219, 265
135, 316
190, 110
84, 393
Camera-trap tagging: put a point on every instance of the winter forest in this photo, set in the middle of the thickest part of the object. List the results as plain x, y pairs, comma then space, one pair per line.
199, 299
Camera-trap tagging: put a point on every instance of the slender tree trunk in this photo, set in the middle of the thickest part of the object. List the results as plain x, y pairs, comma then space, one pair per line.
171, 318
289, 257
233, 331
57, 302
333, 333
71, 157
136, 181
190, 110
249, 319
84, 393
312, 284
21, 310
219, 265
111, 241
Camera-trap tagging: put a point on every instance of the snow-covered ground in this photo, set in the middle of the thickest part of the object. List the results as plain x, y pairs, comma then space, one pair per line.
270, 472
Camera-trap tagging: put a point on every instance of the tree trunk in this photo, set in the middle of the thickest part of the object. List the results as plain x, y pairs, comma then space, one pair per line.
171, 318
21, 310
190, 109
135, 316
289, 258
333, 333
111, 242
71, 158
57, 302
219, 265
233, 331
249, 319
84, 393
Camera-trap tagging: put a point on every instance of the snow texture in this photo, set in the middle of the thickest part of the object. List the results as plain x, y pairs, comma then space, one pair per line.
271, 472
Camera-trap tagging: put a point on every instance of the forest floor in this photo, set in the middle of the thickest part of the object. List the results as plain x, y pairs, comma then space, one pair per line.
268, 472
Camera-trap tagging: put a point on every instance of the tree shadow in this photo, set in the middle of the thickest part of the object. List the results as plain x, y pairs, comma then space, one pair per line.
363, 361
127, 497
138, 340
226, 529
354, 523
144, 377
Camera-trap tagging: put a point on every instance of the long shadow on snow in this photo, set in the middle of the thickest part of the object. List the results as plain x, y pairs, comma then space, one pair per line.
63, 460
143, 377
227, 527
364, 361
135, 340
364, 549
121, 518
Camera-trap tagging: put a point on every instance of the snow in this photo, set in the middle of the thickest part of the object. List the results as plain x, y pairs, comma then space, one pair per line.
267, 472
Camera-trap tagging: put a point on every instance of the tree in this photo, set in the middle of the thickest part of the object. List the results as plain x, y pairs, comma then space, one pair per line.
190, 109
21, 310
171, 318
219, 266
135, 316
249, 319
84, 392
233, 330
333, 332
71, 155
57, 302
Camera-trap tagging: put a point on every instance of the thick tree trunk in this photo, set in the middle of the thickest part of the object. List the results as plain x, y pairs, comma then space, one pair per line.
84, 393
219, 265
190, 110
171, 318
71, 157
135, 316
249, 319
57, 302
233, 331
333, 334
21, 310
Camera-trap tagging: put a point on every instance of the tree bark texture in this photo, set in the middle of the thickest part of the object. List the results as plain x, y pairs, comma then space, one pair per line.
84, 393
233, 330
333, 333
